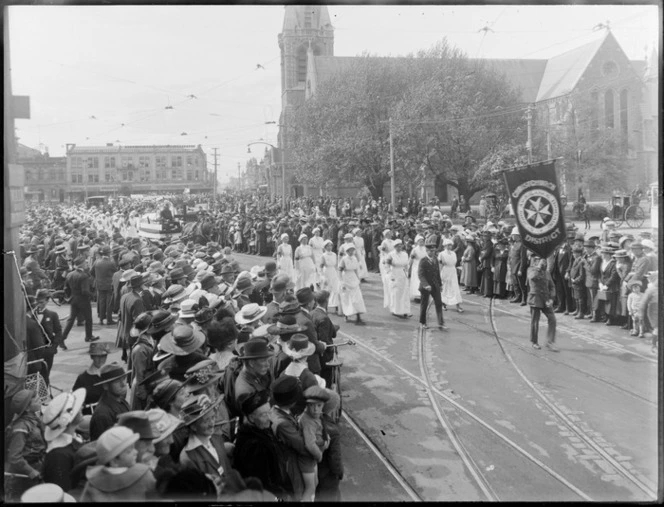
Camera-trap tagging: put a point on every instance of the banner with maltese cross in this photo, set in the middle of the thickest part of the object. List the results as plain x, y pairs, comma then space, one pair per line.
535, 197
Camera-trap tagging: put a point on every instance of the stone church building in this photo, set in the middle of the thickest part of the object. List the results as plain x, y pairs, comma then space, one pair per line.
623, 93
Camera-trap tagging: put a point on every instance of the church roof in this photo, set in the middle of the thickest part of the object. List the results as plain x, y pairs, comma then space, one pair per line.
563, 71
523, 74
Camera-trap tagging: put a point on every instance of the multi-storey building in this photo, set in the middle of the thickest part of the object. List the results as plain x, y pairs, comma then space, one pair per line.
44, 175
125, 170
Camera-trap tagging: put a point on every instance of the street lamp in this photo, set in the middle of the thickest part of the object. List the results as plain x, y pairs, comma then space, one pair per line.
283, 170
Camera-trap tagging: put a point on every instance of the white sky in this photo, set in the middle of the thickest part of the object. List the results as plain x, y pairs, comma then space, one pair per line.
125, 64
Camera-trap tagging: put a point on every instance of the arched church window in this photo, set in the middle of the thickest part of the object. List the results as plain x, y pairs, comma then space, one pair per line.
301, 64
624, 120
594, 115
609, 116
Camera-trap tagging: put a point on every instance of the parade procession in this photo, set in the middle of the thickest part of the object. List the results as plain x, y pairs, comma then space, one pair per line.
397, 303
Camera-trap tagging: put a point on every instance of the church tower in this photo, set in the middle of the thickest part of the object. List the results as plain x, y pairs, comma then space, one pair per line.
306, 32
306, 27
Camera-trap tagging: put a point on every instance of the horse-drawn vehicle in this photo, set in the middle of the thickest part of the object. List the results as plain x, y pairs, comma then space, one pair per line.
624, 208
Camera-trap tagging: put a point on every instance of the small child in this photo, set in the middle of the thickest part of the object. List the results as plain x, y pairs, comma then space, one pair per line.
316, 440
633, 304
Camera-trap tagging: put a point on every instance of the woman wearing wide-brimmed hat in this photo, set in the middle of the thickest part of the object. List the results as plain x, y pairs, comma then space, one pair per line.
25, 444
163, 426
185, 344
299, 348
201, 451
204, 378
61, 416
90, 377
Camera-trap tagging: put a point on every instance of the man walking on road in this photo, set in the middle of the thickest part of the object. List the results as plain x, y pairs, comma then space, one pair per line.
103, 270
430, 285
79, 283
541, 295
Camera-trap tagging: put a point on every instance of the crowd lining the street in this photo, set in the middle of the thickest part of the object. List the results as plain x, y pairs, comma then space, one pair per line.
226, 393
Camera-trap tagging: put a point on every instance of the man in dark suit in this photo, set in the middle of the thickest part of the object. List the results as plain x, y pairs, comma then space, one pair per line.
103, 270
429, 275
80, 286
564, 259
131, 306
541, 295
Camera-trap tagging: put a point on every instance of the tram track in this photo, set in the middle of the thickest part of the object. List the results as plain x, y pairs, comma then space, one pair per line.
460, 448
642, 483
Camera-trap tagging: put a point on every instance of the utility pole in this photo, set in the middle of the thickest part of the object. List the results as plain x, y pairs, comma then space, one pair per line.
392, 190
529, 143
214, 184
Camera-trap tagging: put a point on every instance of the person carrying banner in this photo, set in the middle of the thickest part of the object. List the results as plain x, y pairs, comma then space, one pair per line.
541, 294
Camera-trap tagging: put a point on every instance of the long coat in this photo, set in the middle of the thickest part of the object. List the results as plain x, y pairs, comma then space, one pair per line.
609, 277
469, 269
131, 305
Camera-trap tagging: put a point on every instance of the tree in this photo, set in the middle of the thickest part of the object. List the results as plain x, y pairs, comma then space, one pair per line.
455, 114
342, 132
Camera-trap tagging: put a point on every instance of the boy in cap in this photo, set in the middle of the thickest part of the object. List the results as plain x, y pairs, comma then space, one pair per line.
118, 477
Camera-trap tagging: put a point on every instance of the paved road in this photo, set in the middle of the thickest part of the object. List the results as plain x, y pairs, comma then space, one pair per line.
497, 419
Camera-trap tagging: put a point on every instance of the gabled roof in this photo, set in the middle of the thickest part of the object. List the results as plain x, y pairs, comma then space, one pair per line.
563, 72
523, 74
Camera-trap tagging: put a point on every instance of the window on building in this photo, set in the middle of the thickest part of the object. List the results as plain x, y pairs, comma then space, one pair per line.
197, 175
196, 161
190, 161
108, 177
73, 178
143, 161
148, 175
176, 161
92, 163
76, 162
609, 116
190, 175
624, 120
40, 174
174, 174
301, 64
160, 160
127, 162
109, 162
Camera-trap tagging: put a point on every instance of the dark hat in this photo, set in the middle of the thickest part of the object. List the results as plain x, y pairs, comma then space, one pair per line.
305, 295
589, 243
79, 260
256, 400
111, 372
60, 249
196, 407
182, 341
204, 315
161, 319
136, 280
227, 269
157, 376
285, 390
243, 284
41, 294
164, 392
105, 250
286, 324
138, 422
203, 374
256, 348
116, 249
280, 283
176, 274
270, 267
141, 323
299, 346
208, 281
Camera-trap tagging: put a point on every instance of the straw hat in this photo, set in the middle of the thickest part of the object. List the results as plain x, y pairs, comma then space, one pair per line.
250, 313
61, 411
188, 309
299, 346
46, 493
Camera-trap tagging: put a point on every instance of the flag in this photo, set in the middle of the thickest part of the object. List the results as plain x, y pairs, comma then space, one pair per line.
535, 196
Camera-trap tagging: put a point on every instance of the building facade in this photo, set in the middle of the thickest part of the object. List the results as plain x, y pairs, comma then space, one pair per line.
124, 170
45, 178
622, 94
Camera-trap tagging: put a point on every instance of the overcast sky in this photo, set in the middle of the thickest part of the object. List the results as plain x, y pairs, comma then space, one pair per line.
126, 64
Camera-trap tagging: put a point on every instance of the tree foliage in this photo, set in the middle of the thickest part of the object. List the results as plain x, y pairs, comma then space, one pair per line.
450, 114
